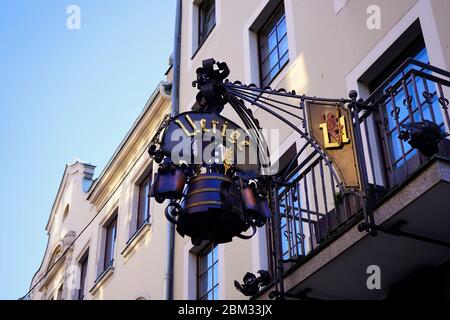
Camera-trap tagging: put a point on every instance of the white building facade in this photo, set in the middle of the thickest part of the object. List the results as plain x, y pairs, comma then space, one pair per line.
108, 240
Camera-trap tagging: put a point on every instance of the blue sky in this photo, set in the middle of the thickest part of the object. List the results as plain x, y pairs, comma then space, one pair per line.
66, 94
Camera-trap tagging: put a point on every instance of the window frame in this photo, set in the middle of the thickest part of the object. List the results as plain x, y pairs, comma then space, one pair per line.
200, 274
112, 248
202, 37
396, 157
197, 42
84, 264
142, 220
262, 78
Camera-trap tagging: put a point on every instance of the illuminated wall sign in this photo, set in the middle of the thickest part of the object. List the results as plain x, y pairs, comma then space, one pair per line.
329, 128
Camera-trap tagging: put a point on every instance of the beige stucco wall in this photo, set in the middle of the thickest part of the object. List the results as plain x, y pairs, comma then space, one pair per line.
327, 50
139, 272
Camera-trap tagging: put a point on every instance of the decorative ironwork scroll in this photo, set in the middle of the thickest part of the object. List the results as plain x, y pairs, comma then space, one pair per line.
217, 175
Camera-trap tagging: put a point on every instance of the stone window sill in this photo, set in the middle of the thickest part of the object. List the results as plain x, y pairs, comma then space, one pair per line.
136, 240
102, 279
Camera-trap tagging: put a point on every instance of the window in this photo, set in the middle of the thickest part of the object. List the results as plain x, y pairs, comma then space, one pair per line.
207, 273
206, 19
111, 232
402, 98
83, 276
273, 46
399, 150
144, 201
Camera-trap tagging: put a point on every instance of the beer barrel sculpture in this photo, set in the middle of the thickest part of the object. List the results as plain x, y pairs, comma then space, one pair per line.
209, 205
212, 209
210, 202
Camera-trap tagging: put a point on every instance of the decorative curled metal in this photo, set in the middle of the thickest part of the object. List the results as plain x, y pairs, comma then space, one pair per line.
428, 97
219, 199
155, 145
265, 100
252, 284
209, 83
424, 136
395, 113
444, 102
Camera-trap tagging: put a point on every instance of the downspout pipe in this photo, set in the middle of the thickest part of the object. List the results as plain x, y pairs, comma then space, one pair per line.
176, 62
168, 277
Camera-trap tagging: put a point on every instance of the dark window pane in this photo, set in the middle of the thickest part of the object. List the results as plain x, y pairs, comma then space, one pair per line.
83, 275
283, 47
111, 231
272, 41
282, 28
207, 277
203, 265
203, 283
215, 253
272, 74
273, 46
207, 18
144, 201
269, 63
215, 275
264, 52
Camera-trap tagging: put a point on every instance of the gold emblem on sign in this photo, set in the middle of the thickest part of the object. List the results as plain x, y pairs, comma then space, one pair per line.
334, 129
228, 159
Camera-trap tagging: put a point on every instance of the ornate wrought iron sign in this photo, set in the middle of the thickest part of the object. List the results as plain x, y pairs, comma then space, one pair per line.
210, 167
217, 174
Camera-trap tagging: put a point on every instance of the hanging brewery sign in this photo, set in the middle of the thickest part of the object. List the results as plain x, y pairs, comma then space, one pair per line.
329, 126
213, 171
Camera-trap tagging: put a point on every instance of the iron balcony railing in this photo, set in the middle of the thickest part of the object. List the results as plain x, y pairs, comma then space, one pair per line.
311, 210
310, 207
416, 92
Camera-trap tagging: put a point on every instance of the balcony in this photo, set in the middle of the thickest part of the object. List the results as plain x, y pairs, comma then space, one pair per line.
318, 247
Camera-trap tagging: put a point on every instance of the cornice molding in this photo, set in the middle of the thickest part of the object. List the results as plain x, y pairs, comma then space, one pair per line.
130, 149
